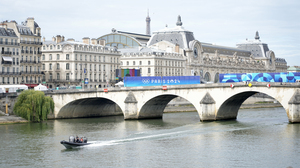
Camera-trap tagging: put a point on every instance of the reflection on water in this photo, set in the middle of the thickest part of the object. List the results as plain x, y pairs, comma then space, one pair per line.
258, 138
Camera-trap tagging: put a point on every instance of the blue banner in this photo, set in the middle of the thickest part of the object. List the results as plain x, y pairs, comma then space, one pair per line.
260, 77
86, 81
158, 80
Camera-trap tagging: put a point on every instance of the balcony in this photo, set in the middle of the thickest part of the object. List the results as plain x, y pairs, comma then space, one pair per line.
37, 52
6, 52
6, 63
64, 81
31, 81
9, 43
31, 42
10, 73
31, 72
30, 62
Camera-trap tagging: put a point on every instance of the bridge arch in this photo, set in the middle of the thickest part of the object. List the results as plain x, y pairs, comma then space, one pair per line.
154, 106
230, 106
89, 107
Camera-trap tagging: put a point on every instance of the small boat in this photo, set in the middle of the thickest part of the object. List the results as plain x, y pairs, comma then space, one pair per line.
73, 144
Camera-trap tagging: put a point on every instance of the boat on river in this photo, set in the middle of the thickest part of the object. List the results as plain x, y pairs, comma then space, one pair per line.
72, 143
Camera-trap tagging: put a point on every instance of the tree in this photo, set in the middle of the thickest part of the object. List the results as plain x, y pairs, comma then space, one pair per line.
33, 105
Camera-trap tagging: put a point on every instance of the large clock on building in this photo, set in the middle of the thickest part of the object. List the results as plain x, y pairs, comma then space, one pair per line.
195, 52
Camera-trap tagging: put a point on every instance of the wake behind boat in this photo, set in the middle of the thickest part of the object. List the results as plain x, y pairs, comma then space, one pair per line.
73, 143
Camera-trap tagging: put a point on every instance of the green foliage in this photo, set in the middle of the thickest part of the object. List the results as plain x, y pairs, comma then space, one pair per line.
33, 105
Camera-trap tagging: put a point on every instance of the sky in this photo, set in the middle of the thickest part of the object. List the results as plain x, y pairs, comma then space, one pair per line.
222, 22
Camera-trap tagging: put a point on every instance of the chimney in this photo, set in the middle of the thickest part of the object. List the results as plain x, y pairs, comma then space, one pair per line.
58, 39
70, 39
30, 24
102, 42
4, 25
94, 41
44, 39
86, 40
53, 38
62, 38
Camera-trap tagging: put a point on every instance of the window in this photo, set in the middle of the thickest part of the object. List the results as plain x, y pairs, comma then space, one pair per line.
67, 57
149, 70
75, 66
51, 47
50, 57
43, 66
50, 66
103, 58
140, 62
58, 47
50, 76
85, 58
133, 62
80, 57
90, 58
43, 57
57, 66
57, 76
127, 63
75, 56
57, 57
67, 66
67, 76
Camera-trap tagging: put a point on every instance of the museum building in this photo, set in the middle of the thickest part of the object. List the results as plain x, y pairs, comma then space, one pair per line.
175, 51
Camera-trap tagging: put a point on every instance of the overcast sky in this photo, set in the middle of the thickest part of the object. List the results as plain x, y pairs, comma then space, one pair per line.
223, 22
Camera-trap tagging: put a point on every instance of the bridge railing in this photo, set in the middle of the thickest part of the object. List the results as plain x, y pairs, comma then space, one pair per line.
212, 85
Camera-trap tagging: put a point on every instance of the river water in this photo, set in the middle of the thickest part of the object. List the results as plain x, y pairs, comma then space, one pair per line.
258, 138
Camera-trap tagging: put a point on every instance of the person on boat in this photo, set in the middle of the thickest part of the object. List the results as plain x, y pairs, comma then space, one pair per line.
77, 140
81, 140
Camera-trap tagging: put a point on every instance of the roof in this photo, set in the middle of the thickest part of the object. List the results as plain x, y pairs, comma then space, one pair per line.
139, 49
292, 68
24, 30
73, 43
206, 45
177, 35
7, 32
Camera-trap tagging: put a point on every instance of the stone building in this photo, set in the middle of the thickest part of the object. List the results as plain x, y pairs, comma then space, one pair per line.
10, 46
199, 58
26, 65
72, 63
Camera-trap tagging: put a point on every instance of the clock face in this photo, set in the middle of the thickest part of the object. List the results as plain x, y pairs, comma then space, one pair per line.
195, 52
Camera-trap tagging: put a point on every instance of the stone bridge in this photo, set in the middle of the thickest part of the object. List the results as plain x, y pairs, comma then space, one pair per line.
212, 101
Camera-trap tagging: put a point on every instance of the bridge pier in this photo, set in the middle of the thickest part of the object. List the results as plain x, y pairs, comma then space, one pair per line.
131, 110
207, 108
294, 108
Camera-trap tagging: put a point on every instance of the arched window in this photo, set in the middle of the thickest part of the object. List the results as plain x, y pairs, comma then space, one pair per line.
207, 76
216, 78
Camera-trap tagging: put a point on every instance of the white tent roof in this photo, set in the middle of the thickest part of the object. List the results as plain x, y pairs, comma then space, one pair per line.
119, 83
40, 87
